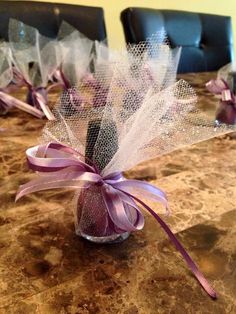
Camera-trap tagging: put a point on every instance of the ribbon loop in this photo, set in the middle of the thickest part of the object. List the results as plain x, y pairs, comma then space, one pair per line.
217, 86
221, 87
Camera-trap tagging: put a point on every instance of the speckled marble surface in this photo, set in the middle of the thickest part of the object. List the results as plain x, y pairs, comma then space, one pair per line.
46, 268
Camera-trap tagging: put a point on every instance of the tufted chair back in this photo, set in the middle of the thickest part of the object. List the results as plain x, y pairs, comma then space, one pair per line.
47, 17
206, 39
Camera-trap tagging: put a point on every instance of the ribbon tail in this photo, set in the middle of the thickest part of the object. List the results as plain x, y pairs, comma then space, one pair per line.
4, 107
46, 183
69, 177
13, 102
46, 110
200, 277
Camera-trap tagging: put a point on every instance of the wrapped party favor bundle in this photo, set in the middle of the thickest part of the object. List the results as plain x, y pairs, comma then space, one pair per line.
224, 87
144, 114
75, 51
34, 58
8, 84
41, 64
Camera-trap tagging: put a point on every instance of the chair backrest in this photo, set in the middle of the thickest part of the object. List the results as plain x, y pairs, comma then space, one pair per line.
206, 39
47, 17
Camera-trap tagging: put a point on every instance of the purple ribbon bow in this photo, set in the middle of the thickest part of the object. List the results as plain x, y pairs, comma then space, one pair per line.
226, 112
75, 101
221, 87
37, 96
65, 169
59, 76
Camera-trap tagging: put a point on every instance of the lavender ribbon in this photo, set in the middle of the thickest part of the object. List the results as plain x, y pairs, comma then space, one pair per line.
75, 101
7, 102
221, 87
59, 76
65, 169
37, 95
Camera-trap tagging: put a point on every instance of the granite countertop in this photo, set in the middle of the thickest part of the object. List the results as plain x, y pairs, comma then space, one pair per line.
46, 268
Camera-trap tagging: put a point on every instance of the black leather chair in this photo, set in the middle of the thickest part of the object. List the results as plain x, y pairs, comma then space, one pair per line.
206, 39
47, 17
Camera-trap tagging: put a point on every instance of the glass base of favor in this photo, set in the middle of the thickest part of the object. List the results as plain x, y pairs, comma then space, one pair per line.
114, 238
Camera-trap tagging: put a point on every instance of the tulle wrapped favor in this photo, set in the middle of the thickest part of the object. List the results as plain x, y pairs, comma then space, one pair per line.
75, 51
145, 114
227, 73
224, 87
9, 83
41, 63
35, 58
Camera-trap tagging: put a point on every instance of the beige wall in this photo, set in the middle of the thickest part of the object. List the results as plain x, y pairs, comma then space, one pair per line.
113, 8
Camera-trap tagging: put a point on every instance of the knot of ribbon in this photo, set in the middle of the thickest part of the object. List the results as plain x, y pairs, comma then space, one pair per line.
59, 76
65, 168
220, 87
75, 101
36, 99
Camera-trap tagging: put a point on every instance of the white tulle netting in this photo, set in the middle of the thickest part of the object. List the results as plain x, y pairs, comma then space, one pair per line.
75, 52
6, 74
33, 55
132, 109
